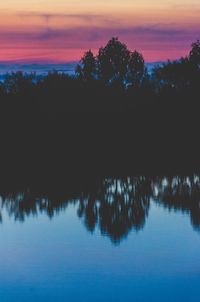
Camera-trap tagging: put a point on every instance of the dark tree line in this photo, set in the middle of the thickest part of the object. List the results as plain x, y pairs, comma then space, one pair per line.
110, 114
116, 78
115, 65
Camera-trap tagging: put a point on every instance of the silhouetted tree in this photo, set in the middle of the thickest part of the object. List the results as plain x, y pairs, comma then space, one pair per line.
112, 62
2, 89
176, 75
194, 55
136, 69
79, 72
114, 65
87, 71
18, 82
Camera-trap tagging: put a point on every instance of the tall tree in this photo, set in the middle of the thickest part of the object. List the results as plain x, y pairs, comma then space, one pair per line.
112, 62
136, 69
194, 55
87, 71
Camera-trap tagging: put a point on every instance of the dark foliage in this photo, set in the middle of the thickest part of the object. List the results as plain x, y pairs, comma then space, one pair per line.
112, 116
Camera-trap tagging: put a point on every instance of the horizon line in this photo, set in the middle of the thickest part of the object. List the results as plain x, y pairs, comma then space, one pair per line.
21, 62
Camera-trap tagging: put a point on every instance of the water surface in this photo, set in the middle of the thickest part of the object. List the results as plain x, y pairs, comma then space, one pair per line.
130, 239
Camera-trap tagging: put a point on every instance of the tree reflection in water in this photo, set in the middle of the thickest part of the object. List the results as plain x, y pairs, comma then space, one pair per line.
114, 205
120, 205
180, 193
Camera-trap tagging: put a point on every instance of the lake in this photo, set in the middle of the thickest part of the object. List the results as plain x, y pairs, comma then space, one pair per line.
118, 239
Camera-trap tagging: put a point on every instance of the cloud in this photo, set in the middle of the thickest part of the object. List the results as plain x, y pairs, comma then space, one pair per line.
152, 38
95, 33
152, 31
84, 17
191, 7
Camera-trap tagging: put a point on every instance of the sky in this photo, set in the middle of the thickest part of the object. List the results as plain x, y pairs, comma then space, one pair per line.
56, 31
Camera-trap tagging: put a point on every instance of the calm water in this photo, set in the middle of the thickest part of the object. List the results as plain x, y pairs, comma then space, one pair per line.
130, 239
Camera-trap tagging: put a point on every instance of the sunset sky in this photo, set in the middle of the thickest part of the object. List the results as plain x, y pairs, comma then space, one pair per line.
61, 30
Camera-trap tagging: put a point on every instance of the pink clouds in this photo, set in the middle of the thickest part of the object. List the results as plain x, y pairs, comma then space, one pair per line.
61, 42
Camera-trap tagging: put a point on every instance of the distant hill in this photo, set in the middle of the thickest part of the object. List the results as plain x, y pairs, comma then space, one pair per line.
39, 69
43, 69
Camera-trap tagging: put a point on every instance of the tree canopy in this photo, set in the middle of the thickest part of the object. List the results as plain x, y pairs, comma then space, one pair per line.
114, 64
194, 55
